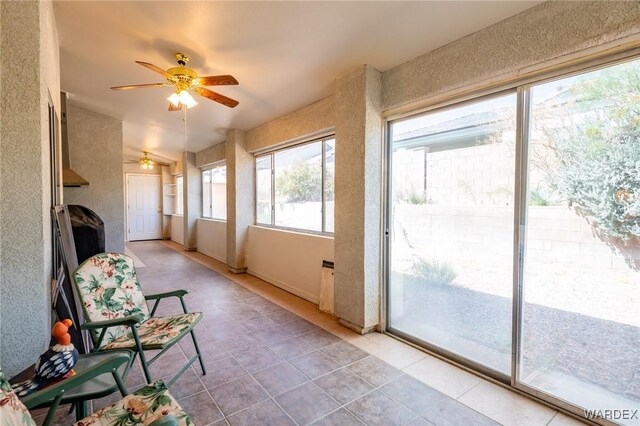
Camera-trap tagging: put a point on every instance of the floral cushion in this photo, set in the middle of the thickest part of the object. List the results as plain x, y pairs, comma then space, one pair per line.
12, 411
156, 333
143, 407
109, 288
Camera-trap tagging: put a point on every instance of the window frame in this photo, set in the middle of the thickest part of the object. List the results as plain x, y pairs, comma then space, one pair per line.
271, 155
209, 168
179, 200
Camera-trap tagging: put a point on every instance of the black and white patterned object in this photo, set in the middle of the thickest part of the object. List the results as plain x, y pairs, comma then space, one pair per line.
51, 366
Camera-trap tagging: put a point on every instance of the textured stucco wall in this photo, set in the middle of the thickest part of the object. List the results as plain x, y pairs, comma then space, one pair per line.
29, 74
544, 33
192, 198
240, 195
0, 188
358, 186
303, 123
95, 152
175, 168
211, 155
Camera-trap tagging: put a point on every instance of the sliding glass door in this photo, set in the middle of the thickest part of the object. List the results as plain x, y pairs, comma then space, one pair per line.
580, 331
551, 306
451, 261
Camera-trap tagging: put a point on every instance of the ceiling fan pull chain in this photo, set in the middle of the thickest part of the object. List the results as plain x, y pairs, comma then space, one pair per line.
185, 129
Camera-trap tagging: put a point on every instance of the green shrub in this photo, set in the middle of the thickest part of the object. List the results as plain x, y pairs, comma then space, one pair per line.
300, 183
599, 153
434, 272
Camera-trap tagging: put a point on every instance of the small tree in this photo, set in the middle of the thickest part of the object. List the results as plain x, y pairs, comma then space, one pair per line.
302, 182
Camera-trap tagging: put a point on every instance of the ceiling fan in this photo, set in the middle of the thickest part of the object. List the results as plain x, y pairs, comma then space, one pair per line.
185, 79
145, 162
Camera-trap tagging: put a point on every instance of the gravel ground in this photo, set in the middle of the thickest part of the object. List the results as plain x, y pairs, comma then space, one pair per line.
605, 353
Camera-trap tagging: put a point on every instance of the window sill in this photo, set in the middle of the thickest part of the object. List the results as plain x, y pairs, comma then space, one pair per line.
213, 219
329, 235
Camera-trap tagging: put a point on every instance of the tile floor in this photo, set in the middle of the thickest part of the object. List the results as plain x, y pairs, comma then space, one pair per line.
275, 359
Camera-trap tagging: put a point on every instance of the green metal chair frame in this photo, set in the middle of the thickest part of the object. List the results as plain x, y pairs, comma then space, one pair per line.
134, 321
53, 395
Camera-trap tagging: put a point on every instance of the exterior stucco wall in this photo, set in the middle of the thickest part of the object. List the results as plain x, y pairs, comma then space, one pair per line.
544, 33
312, 119
192, 199
240, 194
95, 152
30, 74
210, 155
358, 186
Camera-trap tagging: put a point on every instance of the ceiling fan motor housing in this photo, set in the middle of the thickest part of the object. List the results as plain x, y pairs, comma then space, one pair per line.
182, 77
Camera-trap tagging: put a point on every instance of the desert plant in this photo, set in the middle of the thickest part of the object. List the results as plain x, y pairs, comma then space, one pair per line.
415, 198
433, 271
537, 198
411, 196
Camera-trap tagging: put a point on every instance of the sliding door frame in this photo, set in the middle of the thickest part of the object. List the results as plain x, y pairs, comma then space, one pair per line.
522, 86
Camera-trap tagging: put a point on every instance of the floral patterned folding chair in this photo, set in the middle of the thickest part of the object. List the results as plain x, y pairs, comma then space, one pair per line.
152, 405
117, 315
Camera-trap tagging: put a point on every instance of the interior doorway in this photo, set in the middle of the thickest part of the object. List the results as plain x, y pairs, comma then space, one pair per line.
144, 207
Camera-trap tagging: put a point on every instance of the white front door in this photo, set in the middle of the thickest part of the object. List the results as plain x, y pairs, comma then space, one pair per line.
144, 216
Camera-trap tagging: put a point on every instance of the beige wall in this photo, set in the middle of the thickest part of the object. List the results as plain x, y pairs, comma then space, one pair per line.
358, 191
240, 196
95, 152
192, 199
289, 260
30, 76
304, 123
212, 238
177, 229
211, 155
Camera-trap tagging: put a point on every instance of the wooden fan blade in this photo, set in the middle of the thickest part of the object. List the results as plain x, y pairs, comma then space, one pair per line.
172, 107
216, 80
139, 86
154, 68
209, 94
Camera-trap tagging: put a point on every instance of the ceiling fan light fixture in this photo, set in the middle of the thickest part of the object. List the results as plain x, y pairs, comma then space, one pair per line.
187, 100
174, 99
146, 163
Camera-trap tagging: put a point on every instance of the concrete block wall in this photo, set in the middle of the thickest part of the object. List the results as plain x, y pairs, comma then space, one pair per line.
554, 234
481, 175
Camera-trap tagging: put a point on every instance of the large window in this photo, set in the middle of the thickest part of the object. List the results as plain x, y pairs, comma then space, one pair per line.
294, 187
549, 305
179, 209
214, 192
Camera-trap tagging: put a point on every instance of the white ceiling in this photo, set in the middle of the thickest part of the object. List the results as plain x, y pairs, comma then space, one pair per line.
284, 54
